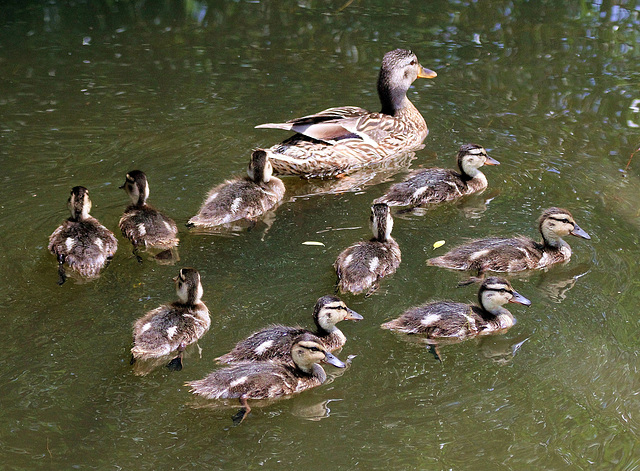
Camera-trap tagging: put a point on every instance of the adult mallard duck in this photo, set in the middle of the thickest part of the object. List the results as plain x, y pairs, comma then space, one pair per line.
435, 185
361, 266
337, 140
142, 224
170, 328
81, 242
243, 198
447, 320
274, 342
517, 253
266, 379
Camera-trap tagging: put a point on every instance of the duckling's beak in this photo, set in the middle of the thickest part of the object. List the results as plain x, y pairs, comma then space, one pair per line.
578, 232
175, 279
353, 315
426, 73
519, 299
333, 360
491, 161
122, 187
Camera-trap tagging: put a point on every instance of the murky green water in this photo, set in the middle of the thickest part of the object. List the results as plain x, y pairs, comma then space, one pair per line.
91, 90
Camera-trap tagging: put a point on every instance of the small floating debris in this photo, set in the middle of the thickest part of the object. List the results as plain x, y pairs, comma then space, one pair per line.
313, 242
438, 243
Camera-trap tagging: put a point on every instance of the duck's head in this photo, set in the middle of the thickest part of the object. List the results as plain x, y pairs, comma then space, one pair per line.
399, 70
307, 351
555, 223
188, 286
79, 203
329, 310
137, 187
260, 169
471, 157
496, 292
381, 221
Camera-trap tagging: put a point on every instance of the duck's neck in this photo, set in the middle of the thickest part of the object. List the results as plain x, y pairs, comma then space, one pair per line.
553, 240
393, 99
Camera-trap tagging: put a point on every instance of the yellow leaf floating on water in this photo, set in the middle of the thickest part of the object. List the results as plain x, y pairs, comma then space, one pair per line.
313, 242
438, 243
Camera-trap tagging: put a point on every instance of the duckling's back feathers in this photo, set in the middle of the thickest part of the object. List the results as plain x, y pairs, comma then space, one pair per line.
499, 254
360, 266
271, 343
84, 245
164, 329
428, 186
259, 380
238, 199
147, 226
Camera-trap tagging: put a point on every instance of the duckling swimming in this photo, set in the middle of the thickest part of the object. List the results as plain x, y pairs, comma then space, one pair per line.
338, 140
141, 223
457, 321
518, 253
172, 327
266, 379
361, 266
274, 342
242, 198
81, 242
435, 185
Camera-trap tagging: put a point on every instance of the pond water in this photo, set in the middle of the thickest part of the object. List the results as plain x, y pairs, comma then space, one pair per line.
92, 90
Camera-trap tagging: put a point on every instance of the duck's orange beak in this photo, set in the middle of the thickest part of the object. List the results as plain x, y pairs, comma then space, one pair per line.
426, 73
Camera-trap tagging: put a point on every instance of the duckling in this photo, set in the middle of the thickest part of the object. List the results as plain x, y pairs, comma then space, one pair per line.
242, 198
457, 321
141, 223
266, 379
435, 185
517, 253
172, 327
81, 242
337, 140
274, 342
361, 266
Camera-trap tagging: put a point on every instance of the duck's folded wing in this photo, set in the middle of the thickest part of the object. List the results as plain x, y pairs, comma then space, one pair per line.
330, 125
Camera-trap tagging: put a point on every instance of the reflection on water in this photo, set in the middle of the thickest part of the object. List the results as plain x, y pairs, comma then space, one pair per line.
91, 90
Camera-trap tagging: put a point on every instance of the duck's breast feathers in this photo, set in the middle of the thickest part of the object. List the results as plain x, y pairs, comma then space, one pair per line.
148, 226
496, 254
85, 245
239, 199
436, 320
271, 343
258, 380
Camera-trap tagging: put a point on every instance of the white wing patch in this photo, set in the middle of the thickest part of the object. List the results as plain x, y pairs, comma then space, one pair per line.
263, 347
479, 254
237, 382
347, 260
69, 243
430, 319
235, 205
146, 327
171, 331
141, 229
99, 243
373, 264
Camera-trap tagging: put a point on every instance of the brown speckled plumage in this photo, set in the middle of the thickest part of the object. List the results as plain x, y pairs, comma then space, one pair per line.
517, 253
274, 342
341, 139
81, 242
361, 266
243, 198
448, 319
437, 185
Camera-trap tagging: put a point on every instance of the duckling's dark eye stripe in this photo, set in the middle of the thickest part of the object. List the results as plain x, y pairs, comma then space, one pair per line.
563, 220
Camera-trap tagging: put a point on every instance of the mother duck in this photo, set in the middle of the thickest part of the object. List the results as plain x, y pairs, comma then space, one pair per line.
337, 140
